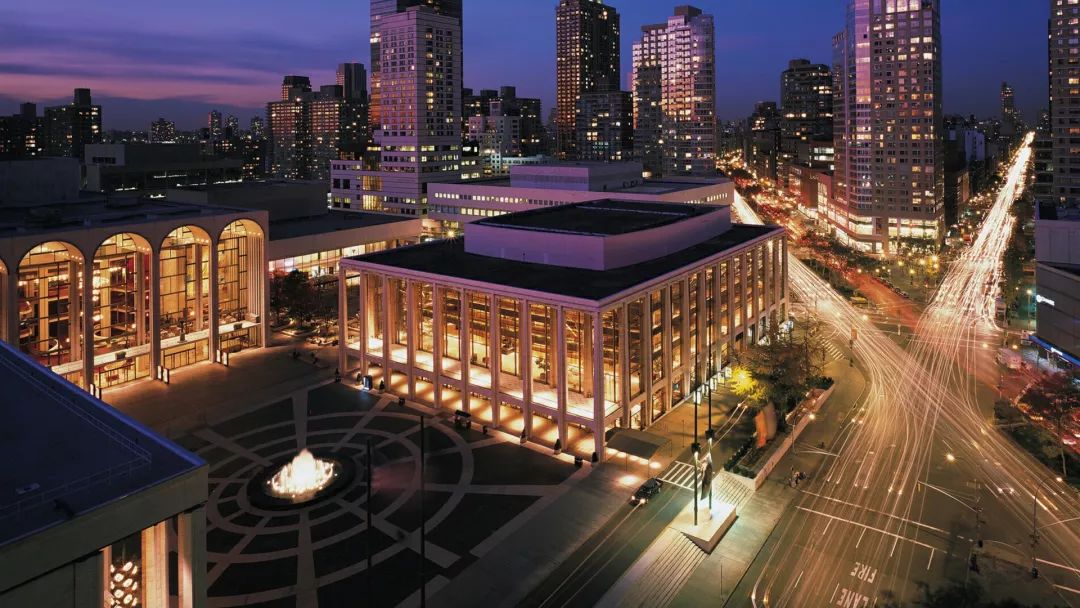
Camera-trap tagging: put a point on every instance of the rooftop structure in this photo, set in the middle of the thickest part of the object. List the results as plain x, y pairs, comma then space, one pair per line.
594, 315
77, 509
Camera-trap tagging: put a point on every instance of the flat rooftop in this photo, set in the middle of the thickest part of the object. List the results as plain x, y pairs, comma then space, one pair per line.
99, 212
332, 221
66, 453
659, 187
604, 218
449, 258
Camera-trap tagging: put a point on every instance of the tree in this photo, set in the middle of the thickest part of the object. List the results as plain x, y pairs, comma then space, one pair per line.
785, 365
298, 296
1059, 399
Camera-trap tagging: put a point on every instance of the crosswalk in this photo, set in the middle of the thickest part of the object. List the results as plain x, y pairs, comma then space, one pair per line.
833, 351
681, 475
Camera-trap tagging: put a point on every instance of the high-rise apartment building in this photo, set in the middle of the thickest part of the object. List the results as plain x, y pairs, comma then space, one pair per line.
69, 128
605, 126
888, 125
806, 110
355, 134
418, 137
384, 8
1065, 100
761, 148
162, 131
586, 61
674, 81
308, 130
503, 103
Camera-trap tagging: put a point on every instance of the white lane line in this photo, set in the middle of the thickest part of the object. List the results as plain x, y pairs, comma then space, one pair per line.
855, 523
799, 579
834, 593
1057, 565
1069, 589
931, 559
893, 550
861, 534
827, 524
858, 506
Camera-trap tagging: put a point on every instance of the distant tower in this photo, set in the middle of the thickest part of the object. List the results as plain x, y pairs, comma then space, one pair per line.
1065, 100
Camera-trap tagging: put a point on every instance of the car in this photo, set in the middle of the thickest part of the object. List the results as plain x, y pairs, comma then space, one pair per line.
650, 488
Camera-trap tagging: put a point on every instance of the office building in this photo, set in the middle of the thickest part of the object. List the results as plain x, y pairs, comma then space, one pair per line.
562, 323
1057, 281
163, 131
550, 184
97, 510
889, 178
605, 126
587, 59
505, 102
674, 79
69, 128
1064, 43
806, 116
154, 168
214, 125
763, 139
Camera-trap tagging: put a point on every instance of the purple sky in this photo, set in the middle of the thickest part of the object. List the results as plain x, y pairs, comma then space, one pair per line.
180, 59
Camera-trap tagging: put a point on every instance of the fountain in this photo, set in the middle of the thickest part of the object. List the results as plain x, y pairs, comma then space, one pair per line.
302, 478
305, 478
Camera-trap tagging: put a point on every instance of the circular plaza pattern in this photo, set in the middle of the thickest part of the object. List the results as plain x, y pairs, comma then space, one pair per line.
275, 554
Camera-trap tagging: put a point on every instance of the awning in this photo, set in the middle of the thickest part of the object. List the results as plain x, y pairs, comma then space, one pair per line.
636, 443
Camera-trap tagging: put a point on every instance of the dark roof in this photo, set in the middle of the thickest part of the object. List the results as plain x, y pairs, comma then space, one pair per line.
332, 221
118, 210
66, 453
1066, 268
449, 258
605, 217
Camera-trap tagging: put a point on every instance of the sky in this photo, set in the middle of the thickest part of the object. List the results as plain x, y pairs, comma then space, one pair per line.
180, 59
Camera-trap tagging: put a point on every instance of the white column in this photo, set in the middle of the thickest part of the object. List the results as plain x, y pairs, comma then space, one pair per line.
665, 342
646, 360
437, 342
215, 300
525, 343
465, 350
684, 323
191, 557
88, 320
410, 348
624, 362
262, 280
361, 315
387, 374
155, 566
11, 307
598, 385
560, 374
343, 317
494, 357
155, 311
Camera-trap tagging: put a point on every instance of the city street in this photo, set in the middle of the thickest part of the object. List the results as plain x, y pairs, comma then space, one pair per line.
898, 502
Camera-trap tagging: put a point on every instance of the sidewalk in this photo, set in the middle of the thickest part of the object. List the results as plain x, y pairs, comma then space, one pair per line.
718, 574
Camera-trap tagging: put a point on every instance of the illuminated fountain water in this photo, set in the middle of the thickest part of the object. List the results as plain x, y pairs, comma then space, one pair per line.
302, 478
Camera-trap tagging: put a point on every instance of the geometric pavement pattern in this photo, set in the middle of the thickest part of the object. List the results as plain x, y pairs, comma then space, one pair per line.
316, 555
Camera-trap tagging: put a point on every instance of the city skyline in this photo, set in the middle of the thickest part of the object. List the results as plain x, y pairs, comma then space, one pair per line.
179, 71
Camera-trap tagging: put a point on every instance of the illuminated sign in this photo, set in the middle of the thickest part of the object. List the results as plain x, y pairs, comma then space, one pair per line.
1042, 300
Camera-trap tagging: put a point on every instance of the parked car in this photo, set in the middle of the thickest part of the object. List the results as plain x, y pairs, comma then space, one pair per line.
650, 488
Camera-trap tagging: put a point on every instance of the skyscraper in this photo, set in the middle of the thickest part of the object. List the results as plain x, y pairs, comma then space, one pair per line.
418, 104
675, 94
21, 134
69, 128
213, 124
1065, 100
291, 82
806, 113
384, 8
586, 61
887, 127
352, 78
307, 130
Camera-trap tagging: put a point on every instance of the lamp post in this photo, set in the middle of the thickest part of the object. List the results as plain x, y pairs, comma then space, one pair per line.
1034, 529
423, 534
695, 448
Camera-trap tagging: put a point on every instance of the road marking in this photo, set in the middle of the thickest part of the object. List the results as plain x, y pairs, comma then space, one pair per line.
893, 550
931, 558
1057, 565
1069, 589
855, 523
799, 579
864, 572
827, 524
861, 534
834, 592
852, 599
865, 508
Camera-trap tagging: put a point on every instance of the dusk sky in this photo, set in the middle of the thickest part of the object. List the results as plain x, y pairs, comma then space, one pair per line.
180, 59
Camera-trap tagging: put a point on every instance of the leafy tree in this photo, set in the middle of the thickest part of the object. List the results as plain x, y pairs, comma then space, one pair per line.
785, 365
298, 296
1060, 398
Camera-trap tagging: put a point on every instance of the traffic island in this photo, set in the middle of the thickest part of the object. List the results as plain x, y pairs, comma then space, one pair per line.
711, 527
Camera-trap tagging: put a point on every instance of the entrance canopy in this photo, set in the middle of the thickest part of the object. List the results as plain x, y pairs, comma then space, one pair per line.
636, 443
